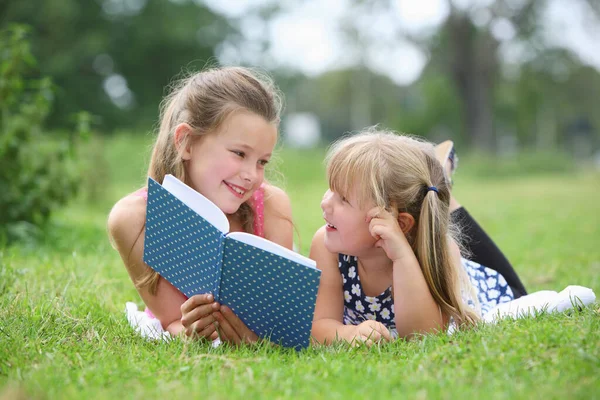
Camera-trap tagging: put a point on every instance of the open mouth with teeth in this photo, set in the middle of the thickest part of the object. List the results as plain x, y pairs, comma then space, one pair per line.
330, 227
236, 190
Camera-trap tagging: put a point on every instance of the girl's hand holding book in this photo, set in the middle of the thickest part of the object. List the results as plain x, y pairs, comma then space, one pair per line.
231, 329
202, 316
197, 316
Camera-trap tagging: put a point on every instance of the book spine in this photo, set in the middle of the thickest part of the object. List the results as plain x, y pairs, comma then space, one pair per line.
217, 288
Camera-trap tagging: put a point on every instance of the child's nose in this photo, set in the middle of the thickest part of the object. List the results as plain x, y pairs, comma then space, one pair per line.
326, 202
249, 174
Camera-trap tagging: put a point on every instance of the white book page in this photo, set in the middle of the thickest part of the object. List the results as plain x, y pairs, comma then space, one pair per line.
272, 247
197, 202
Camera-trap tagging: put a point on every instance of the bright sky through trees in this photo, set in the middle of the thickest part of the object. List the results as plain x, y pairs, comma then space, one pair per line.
307, 36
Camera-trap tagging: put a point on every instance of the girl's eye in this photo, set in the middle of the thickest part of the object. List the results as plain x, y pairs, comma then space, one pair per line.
238, 153
263, 162
345, 201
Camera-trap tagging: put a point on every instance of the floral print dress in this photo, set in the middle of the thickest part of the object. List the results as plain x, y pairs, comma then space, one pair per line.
491, 289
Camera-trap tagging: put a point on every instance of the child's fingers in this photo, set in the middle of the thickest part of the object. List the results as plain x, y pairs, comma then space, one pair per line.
382, 331
379, 231
246, 335
369, 332
370, 340
375, 332
376, 229
201, 324
384, 228
227, 331
196, 301
385, 333
378, 212
373, 213
221, 334
207, 331
189, 317
361, 340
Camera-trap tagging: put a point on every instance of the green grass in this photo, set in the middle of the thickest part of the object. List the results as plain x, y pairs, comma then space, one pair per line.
63, 332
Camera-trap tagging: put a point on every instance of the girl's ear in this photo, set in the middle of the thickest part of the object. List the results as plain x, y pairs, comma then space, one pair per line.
183, 144
406, 222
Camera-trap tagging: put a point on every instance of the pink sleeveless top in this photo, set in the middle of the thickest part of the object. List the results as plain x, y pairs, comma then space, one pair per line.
257, 202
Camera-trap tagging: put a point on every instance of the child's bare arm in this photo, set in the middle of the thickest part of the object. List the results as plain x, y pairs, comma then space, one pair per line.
414, 307
327, 323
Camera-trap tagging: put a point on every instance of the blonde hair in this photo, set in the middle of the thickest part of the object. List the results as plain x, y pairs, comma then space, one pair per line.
204, 100
394, 172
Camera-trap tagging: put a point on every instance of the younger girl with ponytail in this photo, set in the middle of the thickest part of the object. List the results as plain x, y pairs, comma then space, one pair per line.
388, 254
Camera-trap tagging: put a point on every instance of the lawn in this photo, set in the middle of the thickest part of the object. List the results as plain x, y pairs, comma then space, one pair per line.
63, 333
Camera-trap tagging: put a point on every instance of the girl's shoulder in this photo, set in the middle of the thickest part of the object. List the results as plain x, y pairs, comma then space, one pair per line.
126, 220
277, 216
276, 202
274, 195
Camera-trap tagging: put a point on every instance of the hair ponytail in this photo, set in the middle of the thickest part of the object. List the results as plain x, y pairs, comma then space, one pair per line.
432, 249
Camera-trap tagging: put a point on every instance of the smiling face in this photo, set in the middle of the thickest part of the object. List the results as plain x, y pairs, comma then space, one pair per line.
227, 166
346, 229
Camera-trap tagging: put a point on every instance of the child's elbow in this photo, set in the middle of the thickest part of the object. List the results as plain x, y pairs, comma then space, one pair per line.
114, 225
125, 220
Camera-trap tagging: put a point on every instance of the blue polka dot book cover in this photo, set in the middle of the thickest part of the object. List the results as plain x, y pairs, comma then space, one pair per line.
269, 287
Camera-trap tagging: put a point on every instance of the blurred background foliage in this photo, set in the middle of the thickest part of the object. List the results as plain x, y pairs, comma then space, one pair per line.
113, 59
38, 172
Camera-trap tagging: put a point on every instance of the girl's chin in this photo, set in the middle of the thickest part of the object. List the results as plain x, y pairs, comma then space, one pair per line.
331, 247
230, 210
229, 207
337, 248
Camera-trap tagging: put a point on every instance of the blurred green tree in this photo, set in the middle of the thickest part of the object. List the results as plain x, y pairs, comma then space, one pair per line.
115, 57
492, 104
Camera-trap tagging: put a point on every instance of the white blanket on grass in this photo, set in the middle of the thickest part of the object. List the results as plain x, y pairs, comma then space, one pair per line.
530, 305
542, 301
144, 324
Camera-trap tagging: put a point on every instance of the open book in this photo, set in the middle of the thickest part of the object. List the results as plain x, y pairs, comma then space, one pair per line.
187, 241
